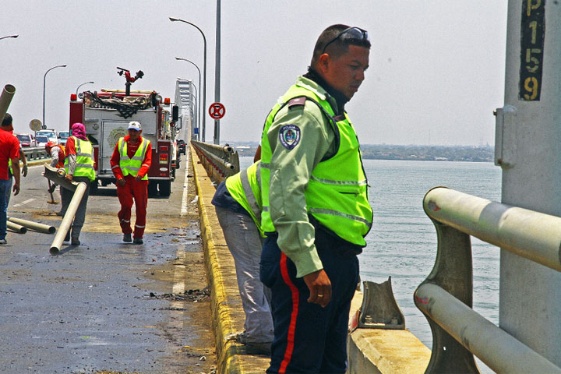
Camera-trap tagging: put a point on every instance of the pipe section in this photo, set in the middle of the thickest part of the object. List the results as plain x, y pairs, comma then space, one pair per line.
68, 217
16, 228
39, 227
6, 99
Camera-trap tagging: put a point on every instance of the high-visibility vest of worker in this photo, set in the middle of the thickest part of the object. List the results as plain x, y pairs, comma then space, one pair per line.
130, 164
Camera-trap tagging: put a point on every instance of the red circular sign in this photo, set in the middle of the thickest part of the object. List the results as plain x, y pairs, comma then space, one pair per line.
216, 110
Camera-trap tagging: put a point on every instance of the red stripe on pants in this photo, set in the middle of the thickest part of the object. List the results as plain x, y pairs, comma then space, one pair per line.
293, 316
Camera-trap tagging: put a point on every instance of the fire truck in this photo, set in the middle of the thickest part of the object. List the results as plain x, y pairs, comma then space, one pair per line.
106, 115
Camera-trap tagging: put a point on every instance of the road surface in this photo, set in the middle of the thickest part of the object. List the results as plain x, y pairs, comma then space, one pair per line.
106, 306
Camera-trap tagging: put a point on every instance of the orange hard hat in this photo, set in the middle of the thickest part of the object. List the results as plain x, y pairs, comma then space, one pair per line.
50, 144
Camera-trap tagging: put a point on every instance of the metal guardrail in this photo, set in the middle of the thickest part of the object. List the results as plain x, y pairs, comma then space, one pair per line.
219, 161
35, 153
445, 297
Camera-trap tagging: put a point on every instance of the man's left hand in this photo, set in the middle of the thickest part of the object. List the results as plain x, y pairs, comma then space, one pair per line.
24, 170
320, 287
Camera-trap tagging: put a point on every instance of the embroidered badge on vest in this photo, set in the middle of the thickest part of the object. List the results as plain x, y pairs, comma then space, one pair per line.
289, 136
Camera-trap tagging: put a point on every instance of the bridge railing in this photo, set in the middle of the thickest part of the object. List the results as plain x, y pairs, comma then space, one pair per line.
35, 153
445, 297
219, 161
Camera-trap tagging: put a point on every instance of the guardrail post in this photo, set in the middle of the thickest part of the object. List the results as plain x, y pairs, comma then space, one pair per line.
452, 272
379, 310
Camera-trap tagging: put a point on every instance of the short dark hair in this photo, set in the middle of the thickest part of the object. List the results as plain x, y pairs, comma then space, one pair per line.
337, 46
7, 121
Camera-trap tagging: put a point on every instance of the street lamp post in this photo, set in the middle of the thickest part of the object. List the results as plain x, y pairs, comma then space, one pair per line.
44, 83
217, 70
9, 36
199, 102
205, 67
77, 88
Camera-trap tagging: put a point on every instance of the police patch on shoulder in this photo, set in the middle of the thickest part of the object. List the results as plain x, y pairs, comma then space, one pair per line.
289, 136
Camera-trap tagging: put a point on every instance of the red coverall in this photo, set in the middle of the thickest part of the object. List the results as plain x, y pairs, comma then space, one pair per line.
133, 189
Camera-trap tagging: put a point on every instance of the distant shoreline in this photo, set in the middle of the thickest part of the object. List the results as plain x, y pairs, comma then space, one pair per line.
404, 152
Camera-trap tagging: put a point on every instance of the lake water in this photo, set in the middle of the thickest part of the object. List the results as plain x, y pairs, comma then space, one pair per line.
402, 243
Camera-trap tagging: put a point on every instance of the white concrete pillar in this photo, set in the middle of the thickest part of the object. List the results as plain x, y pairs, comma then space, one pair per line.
528, 148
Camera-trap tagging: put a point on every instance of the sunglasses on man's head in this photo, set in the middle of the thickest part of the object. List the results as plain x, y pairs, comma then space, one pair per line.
350, 34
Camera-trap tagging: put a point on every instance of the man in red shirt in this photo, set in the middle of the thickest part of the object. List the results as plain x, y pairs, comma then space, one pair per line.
130, 163
9, 150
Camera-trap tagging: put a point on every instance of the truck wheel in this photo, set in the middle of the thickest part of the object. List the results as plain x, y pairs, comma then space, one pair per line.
152, 188
165, 188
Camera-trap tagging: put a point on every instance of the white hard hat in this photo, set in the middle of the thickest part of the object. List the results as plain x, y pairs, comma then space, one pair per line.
135, 125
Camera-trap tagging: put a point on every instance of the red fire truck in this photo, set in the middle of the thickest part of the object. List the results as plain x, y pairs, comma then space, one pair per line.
106, 115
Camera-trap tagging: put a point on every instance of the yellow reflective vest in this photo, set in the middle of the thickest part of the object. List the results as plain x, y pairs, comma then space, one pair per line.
131, 166
245, 188
84, 160
336, 194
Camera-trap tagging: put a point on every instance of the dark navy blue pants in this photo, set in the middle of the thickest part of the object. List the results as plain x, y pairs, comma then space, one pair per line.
309, 338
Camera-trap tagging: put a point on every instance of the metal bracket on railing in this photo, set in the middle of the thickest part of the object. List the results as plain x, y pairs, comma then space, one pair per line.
453, 273
379, 309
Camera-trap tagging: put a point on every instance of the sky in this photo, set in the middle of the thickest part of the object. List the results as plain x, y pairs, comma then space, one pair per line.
436, 73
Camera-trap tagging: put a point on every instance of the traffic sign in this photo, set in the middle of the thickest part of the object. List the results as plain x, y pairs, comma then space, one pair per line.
35, 125
216, 110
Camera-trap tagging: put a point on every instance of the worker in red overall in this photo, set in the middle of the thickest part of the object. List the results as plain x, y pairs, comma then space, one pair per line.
130, 163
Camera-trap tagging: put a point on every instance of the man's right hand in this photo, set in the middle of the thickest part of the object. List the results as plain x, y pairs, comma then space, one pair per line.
15, 189
121, 182
320, 287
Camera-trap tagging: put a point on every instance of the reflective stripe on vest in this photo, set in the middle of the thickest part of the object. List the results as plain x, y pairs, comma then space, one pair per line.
336, 194
84, 159
245, 188
131, 166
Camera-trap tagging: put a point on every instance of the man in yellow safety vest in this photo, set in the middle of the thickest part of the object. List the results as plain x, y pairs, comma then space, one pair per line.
130, 164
